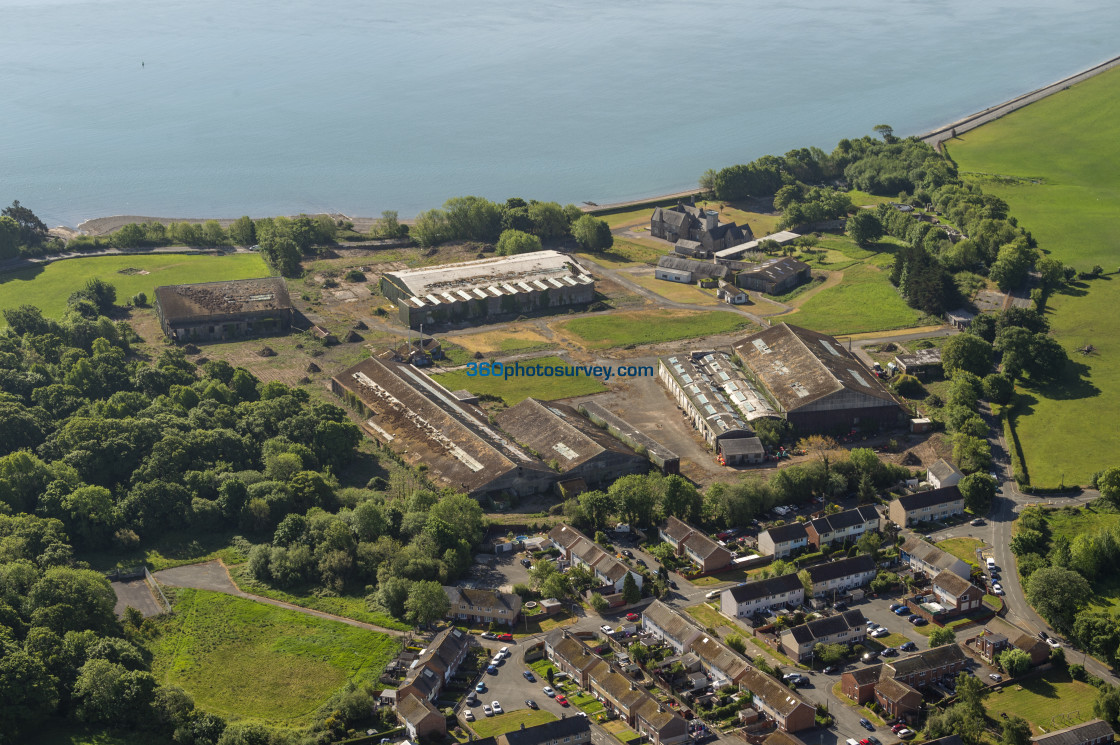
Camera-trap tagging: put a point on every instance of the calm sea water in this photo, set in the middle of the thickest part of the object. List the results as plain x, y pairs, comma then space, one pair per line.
198, 108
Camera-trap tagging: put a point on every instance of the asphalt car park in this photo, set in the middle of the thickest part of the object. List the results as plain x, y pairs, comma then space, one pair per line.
510, 688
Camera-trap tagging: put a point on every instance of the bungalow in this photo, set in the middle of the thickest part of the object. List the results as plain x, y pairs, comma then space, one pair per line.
844, 526
783, 540
745, 600
922, 556
956, 593
925, 506
942, 474
927, 667
859, 684
785, 707
482, 606
838, 577
705, 553
724, 665
897, 698
731, 294
420, 718
1093, 732
849, 627
671, 627
577, 548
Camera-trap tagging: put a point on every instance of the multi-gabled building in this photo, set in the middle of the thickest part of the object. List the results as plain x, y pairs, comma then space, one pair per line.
956, 594
838, 577
577, 548
782, 540
701, 550
897, 698
928, 666
420, 718
435, 665
692, 223
749, 598
842, 527
849, 627
816, 384
926, 506
720, 661
714, 403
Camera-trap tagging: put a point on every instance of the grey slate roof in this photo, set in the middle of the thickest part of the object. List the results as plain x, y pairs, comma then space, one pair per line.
765, 588
845, 519
786, 533
944, 495
697, 267
943, 469
823, 627
1077, 734
841, 568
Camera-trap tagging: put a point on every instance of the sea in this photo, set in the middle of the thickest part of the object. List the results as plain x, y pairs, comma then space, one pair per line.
201, 108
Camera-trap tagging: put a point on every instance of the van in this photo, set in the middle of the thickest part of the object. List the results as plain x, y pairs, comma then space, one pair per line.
991, 563
850, 741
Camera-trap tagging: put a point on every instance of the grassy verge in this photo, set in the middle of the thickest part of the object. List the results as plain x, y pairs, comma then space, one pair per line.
347, 606
708, 616
517, 388
677, 292
963, 548
239, 658
1050, 701
862, 710
502, 723
47, 286
650, 327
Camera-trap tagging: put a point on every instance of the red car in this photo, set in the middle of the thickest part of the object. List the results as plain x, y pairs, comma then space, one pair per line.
505, 637
897, 727
561, 700
632, 616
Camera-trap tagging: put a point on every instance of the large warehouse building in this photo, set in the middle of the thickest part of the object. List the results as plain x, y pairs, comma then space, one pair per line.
815, 382
499, 286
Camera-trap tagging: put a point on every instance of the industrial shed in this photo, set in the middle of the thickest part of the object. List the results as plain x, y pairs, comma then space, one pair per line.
559, 435
499, 286
774, 276
659, 455
817, 384
694, 268
421, 421
213, 311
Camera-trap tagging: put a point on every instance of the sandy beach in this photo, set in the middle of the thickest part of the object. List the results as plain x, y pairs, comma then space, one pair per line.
104, 225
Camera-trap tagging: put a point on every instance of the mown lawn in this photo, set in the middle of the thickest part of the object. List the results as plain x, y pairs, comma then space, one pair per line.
1049, 702
239, 658
516, 389
50, 285
1054, 164
963, 548
485, 726
864, 300
626, 253
650, 327
676, 291
708, 616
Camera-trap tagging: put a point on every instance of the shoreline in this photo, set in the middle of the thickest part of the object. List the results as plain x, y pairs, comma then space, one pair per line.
935, 137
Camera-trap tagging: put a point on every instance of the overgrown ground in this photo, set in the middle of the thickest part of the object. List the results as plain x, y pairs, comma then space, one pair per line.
649, 327
1072, 522
1054, 164
240, 658
49, 285
71, 733
515, 389
963, 548
1050, 701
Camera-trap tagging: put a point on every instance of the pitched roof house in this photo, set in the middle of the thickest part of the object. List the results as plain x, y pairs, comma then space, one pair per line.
579, 549
956, 593
942, 474
785, 707
745, 600
669, 626
844, 526
708, 555
420, 718
783, 540
924, 506
483, 606
689, 222
849, 627
1093, 732
838, 577
922, 556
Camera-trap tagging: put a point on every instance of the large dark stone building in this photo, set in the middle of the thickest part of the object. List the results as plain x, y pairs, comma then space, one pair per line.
688, 222
213, 311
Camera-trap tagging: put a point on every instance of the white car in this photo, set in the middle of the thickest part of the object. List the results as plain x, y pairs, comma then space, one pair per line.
487, 711
504, 651
496, 707
997, 588
549, 692
606, 629
995, 676
905, 734
468, 715
880, 632
1053, 643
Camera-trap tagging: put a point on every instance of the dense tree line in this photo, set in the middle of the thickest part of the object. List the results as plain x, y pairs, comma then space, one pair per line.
477, 219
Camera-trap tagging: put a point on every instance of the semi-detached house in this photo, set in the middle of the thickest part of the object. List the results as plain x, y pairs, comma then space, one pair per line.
926, 506
482, 606
844, 526
701, 550
785, 707
744, 601
839, 577
783, 540
922, 556
849, 627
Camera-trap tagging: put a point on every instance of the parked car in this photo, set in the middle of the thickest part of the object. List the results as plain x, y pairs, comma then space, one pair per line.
919, 621
977, 521
504, 651
628, 553
896, 606
897, 728
873, 740
632, 616
1053, 643
912, 616
489, 635
505, 637
496, 707
531, 703
870, 656
880, 632
468, 715
867, 725
995, 676
905, 733
561, 700
529, 676
671, 584
840, 606
606, 629
712, 595
997, 588
889, 652
908, 647
492, 669
526, 563
480, 687
472, 699
830, 670
487, 710
548, 691
901, 610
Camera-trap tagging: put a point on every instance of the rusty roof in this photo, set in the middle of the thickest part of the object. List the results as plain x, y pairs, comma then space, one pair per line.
211, 300
420, 419
799, 367
557, 431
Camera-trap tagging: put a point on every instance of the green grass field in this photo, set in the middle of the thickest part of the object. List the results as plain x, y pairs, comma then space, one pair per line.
677, 292
1053, 162
48, 286
239, 658
625, 253
963, 548
650, 327
491, 726
1049, 702
514, 390
863, 301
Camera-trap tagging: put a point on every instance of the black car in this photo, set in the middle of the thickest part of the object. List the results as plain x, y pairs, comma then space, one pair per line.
870, 656
840, 606
1043, 635
531, 703
628, 553
830, 670
890, 652
526, 563
908, 647
867, 725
